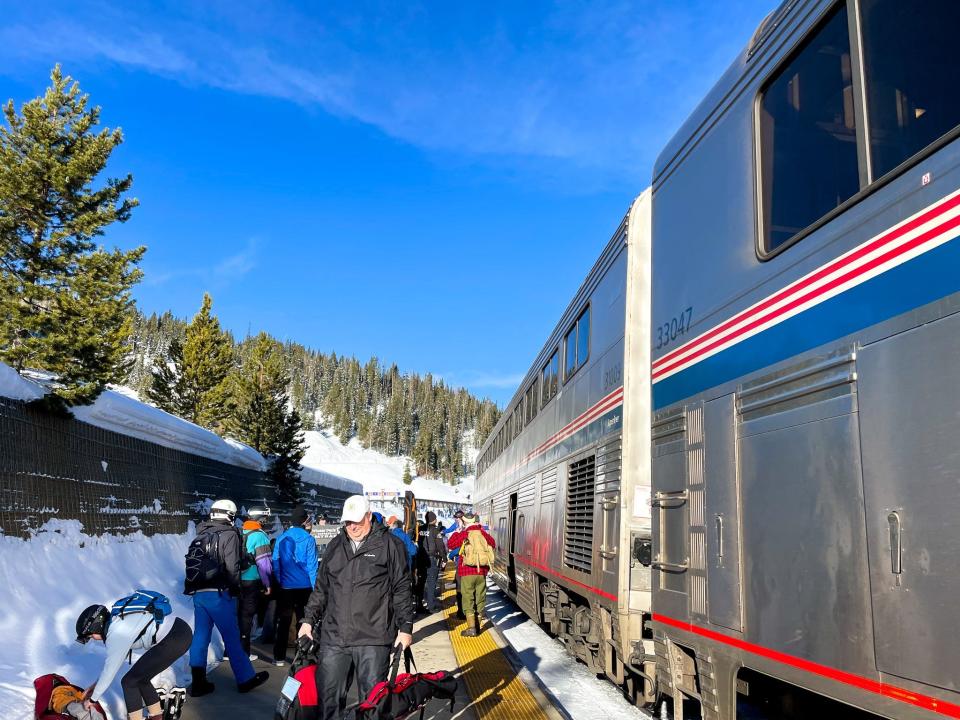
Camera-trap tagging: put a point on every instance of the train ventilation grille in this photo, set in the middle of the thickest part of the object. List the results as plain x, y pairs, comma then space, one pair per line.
578, 529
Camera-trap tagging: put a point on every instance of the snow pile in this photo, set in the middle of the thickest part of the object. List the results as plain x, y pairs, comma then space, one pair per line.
376, 472
122, 413
13, 385
120, 410
49, 579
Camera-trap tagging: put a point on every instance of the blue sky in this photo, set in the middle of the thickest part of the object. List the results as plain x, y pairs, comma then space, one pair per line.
428, 183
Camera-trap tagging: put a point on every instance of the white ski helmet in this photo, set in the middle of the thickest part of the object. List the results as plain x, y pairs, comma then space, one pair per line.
223, 510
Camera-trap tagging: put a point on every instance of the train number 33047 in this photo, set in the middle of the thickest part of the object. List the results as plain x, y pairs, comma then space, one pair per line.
676, 328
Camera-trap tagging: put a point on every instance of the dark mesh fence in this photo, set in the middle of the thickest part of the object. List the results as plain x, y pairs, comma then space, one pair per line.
52, 467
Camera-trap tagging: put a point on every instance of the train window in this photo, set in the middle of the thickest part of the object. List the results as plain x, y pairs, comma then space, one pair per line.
533, 396
908, 59
808, 134
577, 345
549, 377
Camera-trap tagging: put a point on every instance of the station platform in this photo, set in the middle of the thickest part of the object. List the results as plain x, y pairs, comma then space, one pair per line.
493, 686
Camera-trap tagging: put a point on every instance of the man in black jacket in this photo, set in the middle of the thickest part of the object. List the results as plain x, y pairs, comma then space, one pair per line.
360, 607
213, 578
431, 556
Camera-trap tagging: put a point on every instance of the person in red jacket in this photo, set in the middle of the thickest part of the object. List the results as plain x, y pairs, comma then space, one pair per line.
473, 563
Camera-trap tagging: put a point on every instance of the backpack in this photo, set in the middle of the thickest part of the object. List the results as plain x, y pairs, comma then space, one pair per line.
44, 686
476, 551
404, 694
247, 558
143, 601
204, 561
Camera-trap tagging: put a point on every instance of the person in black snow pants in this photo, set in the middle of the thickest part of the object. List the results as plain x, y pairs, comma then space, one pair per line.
431, 556
122, 635
360, 608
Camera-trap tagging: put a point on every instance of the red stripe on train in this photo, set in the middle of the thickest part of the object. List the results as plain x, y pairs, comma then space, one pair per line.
579, 584
951, 224
658, 364
891, 691
607, 403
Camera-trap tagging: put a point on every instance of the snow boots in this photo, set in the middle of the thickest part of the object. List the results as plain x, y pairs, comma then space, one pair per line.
473, 628
259, 679
200, 685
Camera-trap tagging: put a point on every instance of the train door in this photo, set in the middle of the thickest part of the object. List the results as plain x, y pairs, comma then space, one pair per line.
723, 513
512, 546
909, 398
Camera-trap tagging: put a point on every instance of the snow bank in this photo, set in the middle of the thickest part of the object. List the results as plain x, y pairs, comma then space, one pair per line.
49, 579
12, 385
120, 410
121, 413
375, 472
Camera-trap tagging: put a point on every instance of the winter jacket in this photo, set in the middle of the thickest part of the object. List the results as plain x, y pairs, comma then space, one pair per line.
432, 547
295, 559
456, 540
230, 545
363, 597
408, 544
256, 544
133, 631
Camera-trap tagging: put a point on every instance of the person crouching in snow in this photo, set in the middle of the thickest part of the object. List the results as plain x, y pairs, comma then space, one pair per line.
136, 622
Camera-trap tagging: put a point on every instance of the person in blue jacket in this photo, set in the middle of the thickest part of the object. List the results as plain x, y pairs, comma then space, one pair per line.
295, 568
395, 525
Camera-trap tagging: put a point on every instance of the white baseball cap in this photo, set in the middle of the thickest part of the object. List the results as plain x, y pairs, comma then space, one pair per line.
355, 508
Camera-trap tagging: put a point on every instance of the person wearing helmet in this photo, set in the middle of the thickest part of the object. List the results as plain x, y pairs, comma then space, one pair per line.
123, 633
255, 577
295, 565
213, 578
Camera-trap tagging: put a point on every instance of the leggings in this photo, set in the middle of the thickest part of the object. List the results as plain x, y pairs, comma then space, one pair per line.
138, 691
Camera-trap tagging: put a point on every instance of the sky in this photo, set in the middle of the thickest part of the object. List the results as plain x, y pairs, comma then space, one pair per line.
428, 183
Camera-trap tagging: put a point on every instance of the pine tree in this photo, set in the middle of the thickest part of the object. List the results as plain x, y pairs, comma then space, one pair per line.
261, 416
207, 362
286, 456
407, 477
65, 303
167, 389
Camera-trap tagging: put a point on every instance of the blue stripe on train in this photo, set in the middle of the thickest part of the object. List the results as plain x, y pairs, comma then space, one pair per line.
925, 279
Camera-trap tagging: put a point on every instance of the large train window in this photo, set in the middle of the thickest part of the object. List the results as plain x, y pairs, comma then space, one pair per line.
910, 84
576, 345
549, 377
808, 134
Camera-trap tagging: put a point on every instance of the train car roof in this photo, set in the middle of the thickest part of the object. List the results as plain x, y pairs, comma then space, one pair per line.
764, 45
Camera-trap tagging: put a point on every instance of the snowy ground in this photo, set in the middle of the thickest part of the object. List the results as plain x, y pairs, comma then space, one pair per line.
49, 579
579, 693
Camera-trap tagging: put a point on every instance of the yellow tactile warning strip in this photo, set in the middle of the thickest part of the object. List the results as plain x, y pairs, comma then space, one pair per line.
497, 692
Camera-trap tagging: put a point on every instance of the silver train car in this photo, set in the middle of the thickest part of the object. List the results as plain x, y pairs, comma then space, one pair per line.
742, 496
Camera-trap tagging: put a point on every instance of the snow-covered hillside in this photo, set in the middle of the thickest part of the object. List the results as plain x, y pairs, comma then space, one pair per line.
378, 473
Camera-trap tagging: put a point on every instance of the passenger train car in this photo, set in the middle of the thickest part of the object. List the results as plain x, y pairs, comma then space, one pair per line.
732, 474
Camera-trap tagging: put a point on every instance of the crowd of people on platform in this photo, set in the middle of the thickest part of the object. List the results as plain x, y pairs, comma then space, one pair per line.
355, 602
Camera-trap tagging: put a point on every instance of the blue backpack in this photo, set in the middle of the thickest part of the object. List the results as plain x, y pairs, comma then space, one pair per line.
144, 601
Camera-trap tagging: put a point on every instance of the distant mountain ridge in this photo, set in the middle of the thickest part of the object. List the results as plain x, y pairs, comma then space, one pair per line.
397, 414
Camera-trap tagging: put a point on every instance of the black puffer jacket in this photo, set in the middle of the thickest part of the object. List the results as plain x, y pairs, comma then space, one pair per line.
432, 546
362, 598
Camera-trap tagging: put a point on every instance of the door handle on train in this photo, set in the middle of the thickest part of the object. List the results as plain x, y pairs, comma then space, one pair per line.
896, 549
719, 519
669, 566
608, 554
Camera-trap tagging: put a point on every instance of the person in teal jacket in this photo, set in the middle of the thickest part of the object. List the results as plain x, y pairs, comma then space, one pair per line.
295, 568
255, 579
